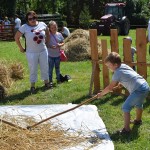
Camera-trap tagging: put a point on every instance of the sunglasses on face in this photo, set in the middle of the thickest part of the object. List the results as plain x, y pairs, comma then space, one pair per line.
33, 18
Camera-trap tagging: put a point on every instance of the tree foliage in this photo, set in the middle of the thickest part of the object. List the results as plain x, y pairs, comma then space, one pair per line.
71, 10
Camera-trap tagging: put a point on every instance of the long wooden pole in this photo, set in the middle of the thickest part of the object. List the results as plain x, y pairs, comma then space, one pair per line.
11, 124
44, 120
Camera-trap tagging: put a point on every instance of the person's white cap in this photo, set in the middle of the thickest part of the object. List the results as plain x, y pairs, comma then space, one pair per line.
129, 38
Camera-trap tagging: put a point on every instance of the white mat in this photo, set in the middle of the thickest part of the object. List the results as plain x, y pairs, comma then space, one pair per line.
84, 119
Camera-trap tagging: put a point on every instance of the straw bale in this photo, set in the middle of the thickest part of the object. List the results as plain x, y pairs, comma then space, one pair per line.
17, 71
5, 73
77, 46
43, 137
3, 92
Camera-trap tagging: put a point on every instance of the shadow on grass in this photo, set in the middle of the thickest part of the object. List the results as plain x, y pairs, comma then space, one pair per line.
114, 100
22, 95
117, 137
119, 100
81, 99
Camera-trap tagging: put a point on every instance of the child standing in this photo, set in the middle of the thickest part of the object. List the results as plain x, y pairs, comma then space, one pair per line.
133, 82
56, 41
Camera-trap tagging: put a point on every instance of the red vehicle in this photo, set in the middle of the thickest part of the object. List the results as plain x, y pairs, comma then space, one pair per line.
114, 18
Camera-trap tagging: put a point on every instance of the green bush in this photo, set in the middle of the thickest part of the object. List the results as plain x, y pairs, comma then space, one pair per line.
84, 19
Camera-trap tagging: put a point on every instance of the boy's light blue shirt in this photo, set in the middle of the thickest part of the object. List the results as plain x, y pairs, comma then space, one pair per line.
130, 79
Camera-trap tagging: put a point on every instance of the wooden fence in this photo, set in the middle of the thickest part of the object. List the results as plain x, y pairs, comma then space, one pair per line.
7, 32
141, 64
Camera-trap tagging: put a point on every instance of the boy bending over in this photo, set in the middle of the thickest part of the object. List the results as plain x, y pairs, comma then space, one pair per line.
133, 82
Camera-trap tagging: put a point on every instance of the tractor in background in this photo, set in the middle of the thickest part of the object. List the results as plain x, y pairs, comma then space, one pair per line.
114, 18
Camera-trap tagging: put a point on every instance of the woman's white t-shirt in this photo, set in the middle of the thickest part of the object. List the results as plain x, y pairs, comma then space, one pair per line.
35, 37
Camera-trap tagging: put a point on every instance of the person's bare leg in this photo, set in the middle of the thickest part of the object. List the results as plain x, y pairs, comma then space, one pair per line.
127, 121
139, 114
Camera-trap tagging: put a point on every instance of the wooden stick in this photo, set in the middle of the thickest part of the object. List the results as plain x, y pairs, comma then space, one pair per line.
11, 124
87, 101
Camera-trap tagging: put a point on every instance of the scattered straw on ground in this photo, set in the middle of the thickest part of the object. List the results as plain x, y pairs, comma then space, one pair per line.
44, 137
8, 73
77, 46
17, 71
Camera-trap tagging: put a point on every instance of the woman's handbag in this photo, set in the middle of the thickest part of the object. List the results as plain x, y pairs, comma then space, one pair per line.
63, 56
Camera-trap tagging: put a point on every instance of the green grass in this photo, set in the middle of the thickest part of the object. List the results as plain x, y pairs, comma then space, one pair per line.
77, 91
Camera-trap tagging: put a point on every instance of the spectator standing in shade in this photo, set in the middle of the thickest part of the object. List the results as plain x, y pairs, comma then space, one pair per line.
37, 36
17, 23
64, 31
133, 50
6, 22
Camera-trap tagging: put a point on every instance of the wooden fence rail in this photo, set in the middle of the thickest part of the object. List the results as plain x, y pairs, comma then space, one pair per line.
7, 32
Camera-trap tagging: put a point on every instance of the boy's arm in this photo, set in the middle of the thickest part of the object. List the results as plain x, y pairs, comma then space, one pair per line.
118, 86
108, 89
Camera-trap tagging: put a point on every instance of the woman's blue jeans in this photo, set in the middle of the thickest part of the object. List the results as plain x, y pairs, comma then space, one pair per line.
54, 61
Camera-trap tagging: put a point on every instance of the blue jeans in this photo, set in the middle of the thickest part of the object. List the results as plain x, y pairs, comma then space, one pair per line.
54, 61
136, 98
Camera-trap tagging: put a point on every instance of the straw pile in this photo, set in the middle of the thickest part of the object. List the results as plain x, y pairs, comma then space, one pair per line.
43, 137
8, 73
17, 71
2, 92
5, 74
77, 46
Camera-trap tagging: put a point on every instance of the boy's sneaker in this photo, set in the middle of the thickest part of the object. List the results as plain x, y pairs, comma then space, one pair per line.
32, 90
124, 132
136, 122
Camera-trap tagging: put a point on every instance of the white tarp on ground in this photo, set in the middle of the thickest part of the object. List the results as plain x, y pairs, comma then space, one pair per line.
84, 119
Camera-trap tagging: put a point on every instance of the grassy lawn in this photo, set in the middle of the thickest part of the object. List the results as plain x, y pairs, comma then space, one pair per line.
77, 91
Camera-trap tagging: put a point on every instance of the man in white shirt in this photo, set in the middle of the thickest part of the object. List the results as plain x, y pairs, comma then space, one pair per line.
65, 31
17, 23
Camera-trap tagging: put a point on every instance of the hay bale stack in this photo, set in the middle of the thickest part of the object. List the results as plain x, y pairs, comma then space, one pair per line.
77, 46
17, 71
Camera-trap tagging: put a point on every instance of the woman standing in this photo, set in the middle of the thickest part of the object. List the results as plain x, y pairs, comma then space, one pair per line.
37, 36
56, 41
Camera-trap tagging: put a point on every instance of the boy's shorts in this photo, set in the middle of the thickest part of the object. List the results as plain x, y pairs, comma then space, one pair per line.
136, 98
